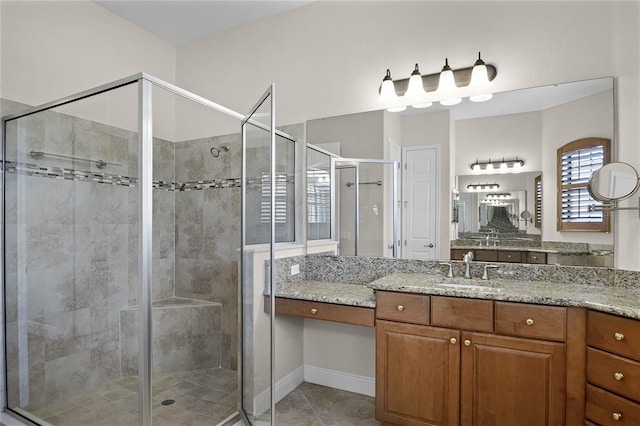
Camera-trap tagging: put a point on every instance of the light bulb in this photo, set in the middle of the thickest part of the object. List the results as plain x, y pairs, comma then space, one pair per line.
397, 109
503, 166
489, 166
517, 164
475, 167
424, 105
447, 86
388, 89
480, 82
415, 88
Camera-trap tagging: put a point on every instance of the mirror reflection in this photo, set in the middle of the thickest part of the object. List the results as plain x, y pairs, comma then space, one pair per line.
510, 144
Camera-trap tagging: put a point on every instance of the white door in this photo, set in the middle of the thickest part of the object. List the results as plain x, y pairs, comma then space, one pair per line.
420, 201
394, 153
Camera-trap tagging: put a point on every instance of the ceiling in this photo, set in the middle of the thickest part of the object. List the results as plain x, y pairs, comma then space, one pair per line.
180, 22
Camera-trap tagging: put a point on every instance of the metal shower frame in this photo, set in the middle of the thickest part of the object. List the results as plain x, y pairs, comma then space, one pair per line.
145, 209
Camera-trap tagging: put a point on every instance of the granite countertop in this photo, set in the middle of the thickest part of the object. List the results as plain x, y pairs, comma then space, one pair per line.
615, 300
522, 248
326, 292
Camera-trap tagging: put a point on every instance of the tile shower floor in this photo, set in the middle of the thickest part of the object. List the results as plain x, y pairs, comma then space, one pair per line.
204, 398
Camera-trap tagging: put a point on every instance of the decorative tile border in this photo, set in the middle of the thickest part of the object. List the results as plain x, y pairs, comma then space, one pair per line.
28, 169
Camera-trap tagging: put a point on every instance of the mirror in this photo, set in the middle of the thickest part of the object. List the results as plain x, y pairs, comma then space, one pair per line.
613, 182
527, 125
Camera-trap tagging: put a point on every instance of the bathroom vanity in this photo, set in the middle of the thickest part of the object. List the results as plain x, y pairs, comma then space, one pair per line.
455, 351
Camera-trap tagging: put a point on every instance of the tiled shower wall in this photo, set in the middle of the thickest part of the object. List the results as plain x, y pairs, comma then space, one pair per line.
208, 227
72, 245
72, 253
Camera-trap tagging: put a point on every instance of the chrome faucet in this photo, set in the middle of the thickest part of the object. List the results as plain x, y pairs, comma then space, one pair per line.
467, 258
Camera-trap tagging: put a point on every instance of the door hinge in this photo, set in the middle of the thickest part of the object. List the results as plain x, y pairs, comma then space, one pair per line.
405, 166
405, 243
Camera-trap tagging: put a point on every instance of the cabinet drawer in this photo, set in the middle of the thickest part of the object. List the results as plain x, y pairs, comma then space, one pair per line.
510, 256
458, 254
536, 257
603, 407
524, 320
464, 314
356, 315
614, 334
486, 255
615, 373
403, 307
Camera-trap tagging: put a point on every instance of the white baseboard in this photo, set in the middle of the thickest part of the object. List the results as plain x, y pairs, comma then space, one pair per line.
284, 386
340, 380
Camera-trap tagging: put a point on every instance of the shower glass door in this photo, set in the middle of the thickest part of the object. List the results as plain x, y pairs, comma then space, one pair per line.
259, 181
71, 258
367, 196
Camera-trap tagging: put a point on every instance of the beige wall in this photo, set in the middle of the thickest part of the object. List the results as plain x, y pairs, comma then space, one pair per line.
52, 49
328, 58
510, 136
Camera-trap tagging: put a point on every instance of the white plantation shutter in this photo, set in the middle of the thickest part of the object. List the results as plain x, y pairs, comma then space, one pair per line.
577, 161
281, 198
318, 196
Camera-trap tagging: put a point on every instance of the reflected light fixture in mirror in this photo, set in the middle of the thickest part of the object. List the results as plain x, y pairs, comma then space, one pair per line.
483, 186
515, 164
447, 86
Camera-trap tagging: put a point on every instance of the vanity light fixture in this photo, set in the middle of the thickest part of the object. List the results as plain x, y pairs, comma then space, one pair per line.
447, 87
498, 195
503, 164
483, 186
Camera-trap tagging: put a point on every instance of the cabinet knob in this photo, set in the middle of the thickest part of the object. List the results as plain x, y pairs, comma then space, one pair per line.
400, 308
534, 257
618, 376
453, 340
616, 416
529, 321
467, 342
619, 336
314, 311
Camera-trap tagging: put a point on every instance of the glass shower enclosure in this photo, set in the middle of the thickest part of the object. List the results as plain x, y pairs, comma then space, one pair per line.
125, 224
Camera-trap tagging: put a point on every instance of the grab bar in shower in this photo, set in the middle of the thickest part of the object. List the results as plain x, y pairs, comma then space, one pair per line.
101, 164
378, 182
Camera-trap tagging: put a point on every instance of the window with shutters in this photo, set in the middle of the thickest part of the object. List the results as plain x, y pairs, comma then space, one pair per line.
577, 160
538, 202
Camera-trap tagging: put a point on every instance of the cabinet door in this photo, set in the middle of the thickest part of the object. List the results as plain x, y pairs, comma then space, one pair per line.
417, 374
509, 381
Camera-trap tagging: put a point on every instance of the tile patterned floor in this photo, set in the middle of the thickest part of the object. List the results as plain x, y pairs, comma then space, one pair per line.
202, 397
314, 405
205, 398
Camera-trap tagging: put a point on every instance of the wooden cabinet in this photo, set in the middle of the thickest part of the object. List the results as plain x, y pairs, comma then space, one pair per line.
491, 254
409, 356
480, 362
511, 256
355, 315
613, 370
507, 381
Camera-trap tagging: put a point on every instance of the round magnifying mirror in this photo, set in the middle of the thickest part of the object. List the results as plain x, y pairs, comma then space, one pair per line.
525, 214
613, 182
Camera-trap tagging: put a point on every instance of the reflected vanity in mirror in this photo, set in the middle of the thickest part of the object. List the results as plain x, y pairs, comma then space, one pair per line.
515, 220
